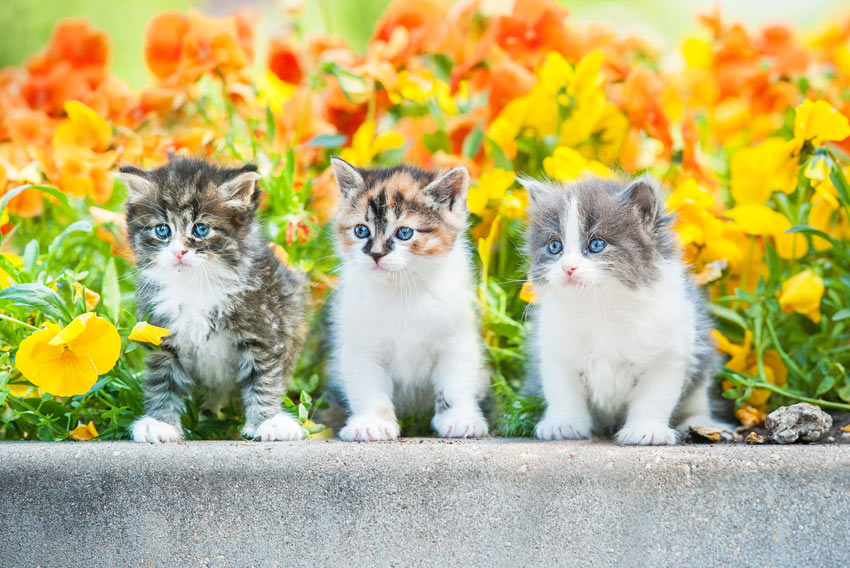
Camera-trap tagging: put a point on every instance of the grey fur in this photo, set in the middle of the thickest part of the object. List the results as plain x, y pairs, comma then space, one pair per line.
631, 216
262, 315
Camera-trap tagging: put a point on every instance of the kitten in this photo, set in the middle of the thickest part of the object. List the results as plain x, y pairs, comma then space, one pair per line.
406, 334
621, 334
236, 313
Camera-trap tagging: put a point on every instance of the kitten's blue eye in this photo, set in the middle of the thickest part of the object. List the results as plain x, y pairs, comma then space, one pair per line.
554, 247
362, 231
162, 231
201, 230
596, 246
404, 233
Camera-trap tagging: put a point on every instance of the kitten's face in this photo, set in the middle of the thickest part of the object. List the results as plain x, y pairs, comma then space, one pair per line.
189, 217
398, 219
595, 234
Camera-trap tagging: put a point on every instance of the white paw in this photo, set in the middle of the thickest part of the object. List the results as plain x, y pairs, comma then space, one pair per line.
369, 428
459, 424
704, 421
149, 429
563, 427
647, 434
279, 428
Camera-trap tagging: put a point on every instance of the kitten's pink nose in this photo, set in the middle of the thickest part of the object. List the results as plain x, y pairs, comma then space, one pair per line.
179, 253
568, 270
376, 256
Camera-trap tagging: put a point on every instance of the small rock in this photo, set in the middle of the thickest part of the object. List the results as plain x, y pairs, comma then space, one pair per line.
753, 438
712, 434
802, 422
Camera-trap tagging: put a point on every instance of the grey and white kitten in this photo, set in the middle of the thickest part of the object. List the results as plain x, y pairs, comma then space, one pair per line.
236, 313
621, 334
406, 334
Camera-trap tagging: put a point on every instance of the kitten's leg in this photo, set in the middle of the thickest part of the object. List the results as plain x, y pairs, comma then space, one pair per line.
368, 391
458, 380
166, 387
567, 416
261, 380
695, 410
652, 403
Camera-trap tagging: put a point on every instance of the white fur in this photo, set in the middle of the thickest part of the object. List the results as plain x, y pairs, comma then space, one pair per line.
280, 427
624, 351
404, 333
151, 430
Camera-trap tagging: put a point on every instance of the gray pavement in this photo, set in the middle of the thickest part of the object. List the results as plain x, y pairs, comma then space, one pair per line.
422, 503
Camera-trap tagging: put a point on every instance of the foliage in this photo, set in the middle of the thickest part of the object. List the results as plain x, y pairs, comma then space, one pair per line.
748, 131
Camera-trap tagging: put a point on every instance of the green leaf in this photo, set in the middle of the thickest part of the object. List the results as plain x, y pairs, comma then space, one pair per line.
38, 297
45, 433
841, 314
110, 291
303, 413
31, 253
472, 143
14, 192
840, 182
326, 141
83, 226
725, 314
825, 385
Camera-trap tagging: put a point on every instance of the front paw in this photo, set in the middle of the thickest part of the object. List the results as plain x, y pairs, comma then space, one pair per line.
369, 428
459, 424
563, 427
647, 434
279, 428
151, 430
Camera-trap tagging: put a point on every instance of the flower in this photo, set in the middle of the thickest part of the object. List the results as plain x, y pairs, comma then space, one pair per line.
528, 293
144, 332
67, 362
492, 186
567, 164
743, 359
802, 293
84, 433
365, 145
819, 122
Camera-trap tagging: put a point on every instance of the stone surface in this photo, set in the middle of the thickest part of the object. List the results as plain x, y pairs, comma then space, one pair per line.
802, 422
429, 502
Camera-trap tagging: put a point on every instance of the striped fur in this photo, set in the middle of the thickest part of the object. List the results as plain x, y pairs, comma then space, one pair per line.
236, 313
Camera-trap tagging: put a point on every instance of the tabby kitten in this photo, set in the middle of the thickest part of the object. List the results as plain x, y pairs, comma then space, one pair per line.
406, 335
621, 335
236, 313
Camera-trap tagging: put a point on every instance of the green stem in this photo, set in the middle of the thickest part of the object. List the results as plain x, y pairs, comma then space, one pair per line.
19, 322
782, 354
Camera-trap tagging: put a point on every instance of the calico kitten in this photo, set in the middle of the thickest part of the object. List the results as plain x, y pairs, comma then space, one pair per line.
621, 335
236, 313
406, 333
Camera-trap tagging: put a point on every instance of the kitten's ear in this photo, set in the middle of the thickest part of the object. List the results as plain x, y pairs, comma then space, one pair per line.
450, 188
643, 194
538, 191
242, 188
138, 185
348, 178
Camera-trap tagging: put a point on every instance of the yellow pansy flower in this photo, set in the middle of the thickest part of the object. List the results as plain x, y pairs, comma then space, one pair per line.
365, 145
143, 332
697, 53
762, 221
802, 293
759, 171
485, 245
567, 164
513, 206
818, 122
743, 359
84, 433
492, 186
528, 293
67, 362
274, 92
83, 128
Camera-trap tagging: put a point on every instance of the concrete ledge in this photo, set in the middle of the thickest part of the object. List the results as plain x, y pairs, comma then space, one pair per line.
422, 502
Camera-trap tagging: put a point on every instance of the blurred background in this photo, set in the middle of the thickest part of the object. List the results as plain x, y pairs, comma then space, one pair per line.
26, 25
